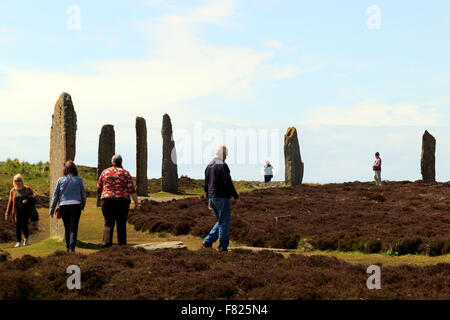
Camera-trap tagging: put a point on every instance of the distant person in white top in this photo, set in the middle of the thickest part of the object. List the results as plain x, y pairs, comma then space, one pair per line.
268, 173
377, 169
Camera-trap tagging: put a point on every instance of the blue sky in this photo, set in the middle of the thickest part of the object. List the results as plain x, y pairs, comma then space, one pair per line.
233, 65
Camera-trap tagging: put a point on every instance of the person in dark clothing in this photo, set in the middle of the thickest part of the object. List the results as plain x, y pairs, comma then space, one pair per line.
21, 201
219, 189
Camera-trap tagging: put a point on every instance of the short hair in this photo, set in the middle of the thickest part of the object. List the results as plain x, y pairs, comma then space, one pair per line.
70, 168
377, 154
16, 177
117, 160
221, 151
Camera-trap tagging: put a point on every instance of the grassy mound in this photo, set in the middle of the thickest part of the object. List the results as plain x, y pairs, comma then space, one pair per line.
37, 175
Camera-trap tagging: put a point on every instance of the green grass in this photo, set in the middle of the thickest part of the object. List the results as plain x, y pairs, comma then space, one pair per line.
37, 175
368, 259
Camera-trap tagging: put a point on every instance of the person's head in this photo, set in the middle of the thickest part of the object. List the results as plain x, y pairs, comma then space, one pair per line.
221, 152
18, 182
267, 163
70, 168
116, 161
377, 155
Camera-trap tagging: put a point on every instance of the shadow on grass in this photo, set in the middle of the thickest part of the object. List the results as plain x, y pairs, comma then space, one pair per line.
85, 245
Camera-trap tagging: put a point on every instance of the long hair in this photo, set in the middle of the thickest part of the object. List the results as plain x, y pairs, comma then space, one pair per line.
70, 168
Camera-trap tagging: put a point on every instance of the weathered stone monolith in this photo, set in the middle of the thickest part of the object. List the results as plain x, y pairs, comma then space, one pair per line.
62, 148
428, 161
294, 166
106, 150
169, 181
141, 157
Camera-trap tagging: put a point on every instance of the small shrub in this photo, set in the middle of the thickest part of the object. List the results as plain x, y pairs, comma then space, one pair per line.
446, 247
326, 244
408, 246
435, 247
181, 228
391, 253
372, 246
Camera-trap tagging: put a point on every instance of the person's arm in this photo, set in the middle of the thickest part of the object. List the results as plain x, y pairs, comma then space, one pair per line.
132, 190
55, 198
31, 199
83, 195
229, 186
205, 187
136, 201
377, 163
100, 182
10, 205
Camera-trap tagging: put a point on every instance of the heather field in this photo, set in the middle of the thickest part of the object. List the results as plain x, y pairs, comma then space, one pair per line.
399, 218
334, 231
128, 273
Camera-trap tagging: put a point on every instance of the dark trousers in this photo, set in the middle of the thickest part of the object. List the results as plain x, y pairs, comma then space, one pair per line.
115, 210
23, 216
70, 215
268, 178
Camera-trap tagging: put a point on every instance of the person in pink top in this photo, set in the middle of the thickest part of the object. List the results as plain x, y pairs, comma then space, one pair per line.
116, 188
377, 169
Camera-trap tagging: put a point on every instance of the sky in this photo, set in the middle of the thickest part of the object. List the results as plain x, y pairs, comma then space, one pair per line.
354, 78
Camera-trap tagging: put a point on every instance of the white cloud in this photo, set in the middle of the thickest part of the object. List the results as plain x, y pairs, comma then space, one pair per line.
215, 11
370, 113
275, 44
179, 68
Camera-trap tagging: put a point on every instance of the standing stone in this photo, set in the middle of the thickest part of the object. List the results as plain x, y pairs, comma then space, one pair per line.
294, 166
106, 150
169, 181
428, 161
141, 157
62, 149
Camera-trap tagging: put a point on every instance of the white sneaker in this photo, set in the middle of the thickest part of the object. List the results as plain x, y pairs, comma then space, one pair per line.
25, 242
17, 245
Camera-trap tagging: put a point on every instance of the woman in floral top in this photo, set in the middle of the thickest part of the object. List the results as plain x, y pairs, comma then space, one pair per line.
116, 187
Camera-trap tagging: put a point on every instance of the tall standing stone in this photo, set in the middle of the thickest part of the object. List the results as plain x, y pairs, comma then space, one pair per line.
62, 148
169, 181
294, 166
428, 161
106, 150
141, 157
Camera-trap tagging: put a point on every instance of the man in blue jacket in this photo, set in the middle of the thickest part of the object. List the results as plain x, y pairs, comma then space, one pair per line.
219, 189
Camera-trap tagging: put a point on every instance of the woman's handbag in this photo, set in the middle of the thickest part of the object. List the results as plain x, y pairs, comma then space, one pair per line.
58, 214
34, 214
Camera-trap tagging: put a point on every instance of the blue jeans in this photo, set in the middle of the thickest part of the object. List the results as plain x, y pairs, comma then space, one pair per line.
222, 209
